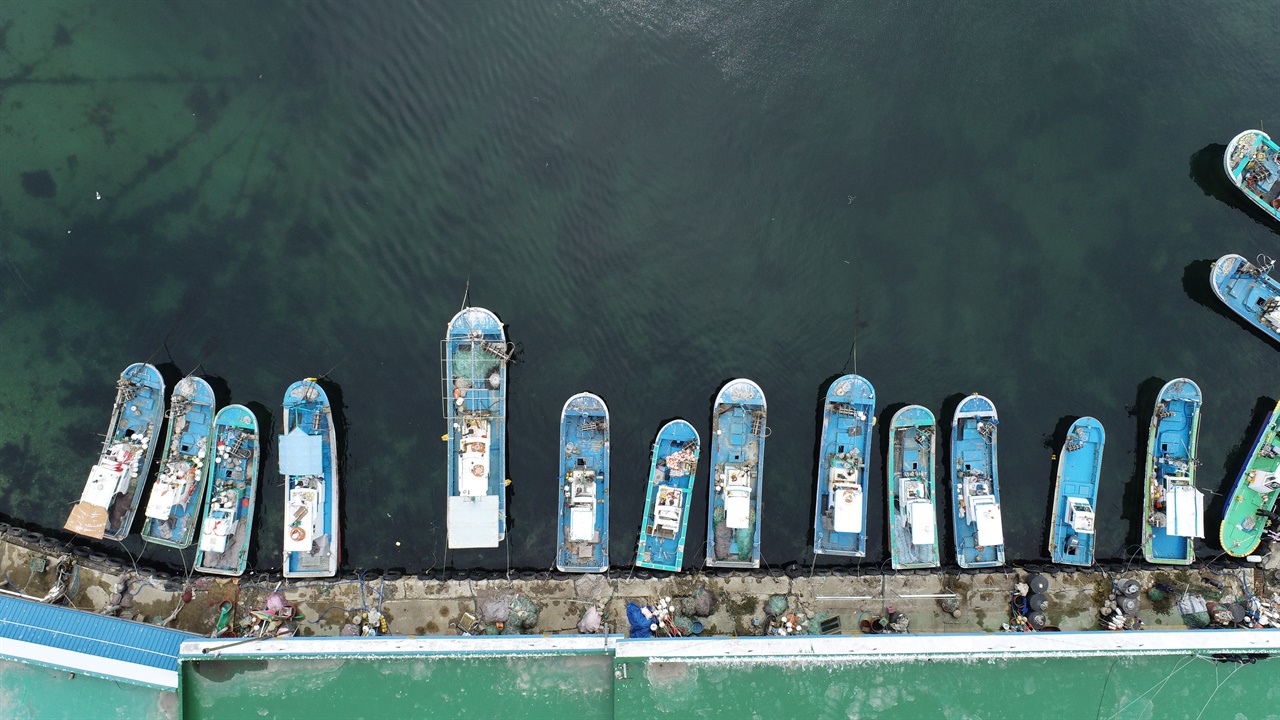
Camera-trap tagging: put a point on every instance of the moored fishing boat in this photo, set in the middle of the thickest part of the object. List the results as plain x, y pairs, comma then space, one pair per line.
231, 493
476, 354
913, 513
844, 451
975, 484
1172, 507
309, 463
173, 508
1071, 531
738, 431
1253, 499
582, 537
1252, 163
1249, 290
110, 498
673, 465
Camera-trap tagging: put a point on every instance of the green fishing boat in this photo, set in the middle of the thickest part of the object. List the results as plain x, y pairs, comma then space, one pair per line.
1252, 502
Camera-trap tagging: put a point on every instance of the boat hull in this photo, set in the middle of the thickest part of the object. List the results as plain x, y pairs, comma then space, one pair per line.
973, 454
1171, 448
231, 492
1242, 527
110, 498
315, 489
1079, 470
738, 430
1248, 154
191, 408
475, 406
911, 474
1247, 289
844, 457
673, 467
582, 536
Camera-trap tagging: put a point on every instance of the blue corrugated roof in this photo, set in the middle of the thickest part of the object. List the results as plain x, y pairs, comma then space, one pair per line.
99, 635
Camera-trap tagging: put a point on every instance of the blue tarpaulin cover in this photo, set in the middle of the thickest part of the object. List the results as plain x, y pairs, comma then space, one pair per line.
639, 623
301, 454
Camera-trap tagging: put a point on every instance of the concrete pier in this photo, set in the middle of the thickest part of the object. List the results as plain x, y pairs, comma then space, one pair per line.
422, 605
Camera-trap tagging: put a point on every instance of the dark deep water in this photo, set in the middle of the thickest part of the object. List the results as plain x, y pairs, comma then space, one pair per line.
655, 198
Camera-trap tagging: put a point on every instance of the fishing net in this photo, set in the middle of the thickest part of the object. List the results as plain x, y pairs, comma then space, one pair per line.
495, 611
744, 538
682, 462
704, 602
523, 612
815, 623
683, 624
721, 540
777, 604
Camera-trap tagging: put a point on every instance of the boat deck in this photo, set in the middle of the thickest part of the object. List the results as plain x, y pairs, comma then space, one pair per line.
475, 405
1252, 162
672, 471
737, 462
912, 451
1242, 525
1249, 291
1079, 468
1171, 453
844, 455
179, 489
582, 535
973, 453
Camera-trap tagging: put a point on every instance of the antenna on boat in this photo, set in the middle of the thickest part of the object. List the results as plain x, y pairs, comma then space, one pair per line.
853, 349
466, 292
325, 374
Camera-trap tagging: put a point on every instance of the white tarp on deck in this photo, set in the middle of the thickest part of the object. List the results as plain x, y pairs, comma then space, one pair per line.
920, 518
847, 517
990, 528
473, 522
1186, 512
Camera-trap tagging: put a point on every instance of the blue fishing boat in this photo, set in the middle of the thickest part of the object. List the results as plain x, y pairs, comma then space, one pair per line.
673, 465
476, 354
173, 508
1252, 503
582, 538
1252, 162
231, 494
1172, 507
844, 450
1071, 532
1250, 291
111, 495
975, 484
309, 464
913, 506
738, 431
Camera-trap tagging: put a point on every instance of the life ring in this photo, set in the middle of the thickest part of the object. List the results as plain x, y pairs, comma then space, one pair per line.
848, 497
459, 392
297, 534
477, 470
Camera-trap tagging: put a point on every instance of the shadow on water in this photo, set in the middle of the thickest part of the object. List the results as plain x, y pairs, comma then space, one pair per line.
266, 431
885, 424
819, 407
1208, 174
221, 391
342, 427
1144, 406
943, 480
1231, 466
1053, 443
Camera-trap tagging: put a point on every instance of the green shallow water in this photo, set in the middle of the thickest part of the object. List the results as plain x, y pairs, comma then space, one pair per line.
29, 691
655, 198
589, 686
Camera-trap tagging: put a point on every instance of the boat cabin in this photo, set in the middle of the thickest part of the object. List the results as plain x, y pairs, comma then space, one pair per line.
171, 488
983, 512
581, 494
1263, 482
1080, 515
1184, 507
1269, 313
221, 521
736, 482
473, 467
668, 510
302, 462
846, 499
921, 522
